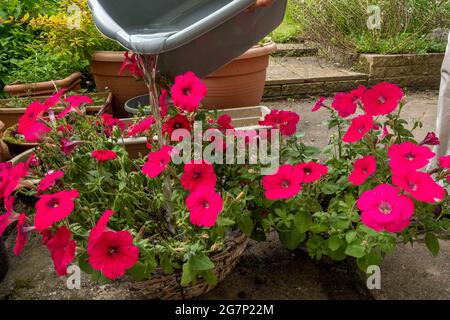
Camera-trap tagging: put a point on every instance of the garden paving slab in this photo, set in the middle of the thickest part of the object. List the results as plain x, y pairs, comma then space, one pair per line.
307, 69
267, 271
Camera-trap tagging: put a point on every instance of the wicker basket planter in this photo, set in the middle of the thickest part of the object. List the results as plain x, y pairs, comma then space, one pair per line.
167, 287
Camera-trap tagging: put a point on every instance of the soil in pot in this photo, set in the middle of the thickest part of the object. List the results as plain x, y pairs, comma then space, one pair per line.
15, 141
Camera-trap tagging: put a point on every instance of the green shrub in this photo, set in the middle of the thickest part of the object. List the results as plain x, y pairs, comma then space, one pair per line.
405, 24
45, 66
16, 37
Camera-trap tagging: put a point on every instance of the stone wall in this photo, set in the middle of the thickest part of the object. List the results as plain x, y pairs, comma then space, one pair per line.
414, 71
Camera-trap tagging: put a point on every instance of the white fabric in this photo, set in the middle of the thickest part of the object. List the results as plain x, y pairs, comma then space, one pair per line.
443, 112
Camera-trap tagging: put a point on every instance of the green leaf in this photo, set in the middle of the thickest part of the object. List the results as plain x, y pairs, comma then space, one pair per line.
432, 243
292, 238
166, 264
201, 262
355, 250
138, 272
210, 277
334, 243
330, 188
224, 222
245, 223
303, 221
370, 259
188, 274
350, 236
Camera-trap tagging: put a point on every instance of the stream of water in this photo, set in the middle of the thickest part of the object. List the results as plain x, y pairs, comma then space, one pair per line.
148, 64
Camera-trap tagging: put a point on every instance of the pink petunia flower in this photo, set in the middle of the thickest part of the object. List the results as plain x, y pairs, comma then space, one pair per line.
65, 128
384, 134
224, 121
360, 126
49, 180
33, 112
318, 105
157, 161
363, 169
204, 205
74, 104
431, 139
21, 238
177, 122
384, 209
130, 63
76, 101
54, 99
68, 146
36, 132
419, 185
104, 155
197, 175
62, 249
285, 121
99, 229
52, 208
141, 127
382, 99
345, 103
188, 91
113, 254
10, 178
285, 184
444, 162
312, 171
410, 155
110, 122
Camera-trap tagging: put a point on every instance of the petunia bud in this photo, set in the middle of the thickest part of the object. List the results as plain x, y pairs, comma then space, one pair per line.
431, 139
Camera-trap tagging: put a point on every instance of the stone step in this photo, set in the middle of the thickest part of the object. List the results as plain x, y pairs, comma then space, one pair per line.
294, 50
306, 76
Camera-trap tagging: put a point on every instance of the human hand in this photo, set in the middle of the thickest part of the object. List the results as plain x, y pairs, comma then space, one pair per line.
264, 3
261, 4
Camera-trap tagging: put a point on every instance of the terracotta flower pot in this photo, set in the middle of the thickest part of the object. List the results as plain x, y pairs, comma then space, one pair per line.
10, 115
105, 68
72, 82
241, 82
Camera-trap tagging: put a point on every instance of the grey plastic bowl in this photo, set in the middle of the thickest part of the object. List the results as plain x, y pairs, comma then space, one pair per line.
133, 105
189, 35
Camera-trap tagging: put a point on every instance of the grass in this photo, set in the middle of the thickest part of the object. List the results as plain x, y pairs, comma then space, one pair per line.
289, 29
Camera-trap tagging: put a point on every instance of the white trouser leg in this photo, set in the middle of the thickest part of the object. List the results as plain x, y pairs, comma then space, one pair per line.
443, 113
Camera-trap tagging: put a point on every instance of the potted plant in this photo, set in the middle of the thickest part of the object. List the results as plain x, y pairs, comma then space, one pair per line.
175, 232
241, 82
12, 109
15, 109
374, 186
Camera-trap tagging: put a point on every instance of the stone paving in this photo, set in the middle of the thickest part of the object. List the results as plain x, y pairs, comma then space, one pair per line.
306, 76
